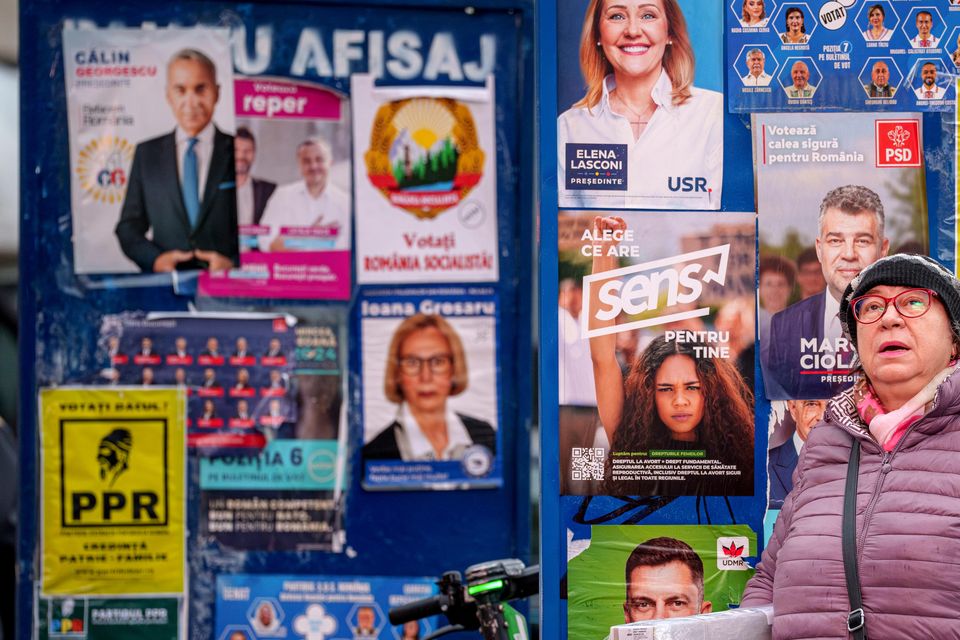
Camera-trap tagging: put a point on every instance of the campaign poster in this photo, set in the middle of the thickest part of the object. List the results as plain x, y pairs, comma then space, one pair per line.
836, 191
788, 429
112, 472
426, 182
880, 55
641, 115
631, 573
656, 352
236, 369
82, 618
431, 389
289, 495
294, 198
144, 197
321, 607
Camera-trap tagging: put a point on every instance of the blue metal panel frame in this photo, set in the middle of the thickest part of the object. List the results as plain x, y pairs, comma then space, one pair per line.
392, 534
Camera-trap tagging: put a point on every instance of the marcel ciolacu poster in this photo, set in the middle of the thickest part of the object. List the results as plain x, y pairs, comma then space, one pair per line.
425, 176
656, 335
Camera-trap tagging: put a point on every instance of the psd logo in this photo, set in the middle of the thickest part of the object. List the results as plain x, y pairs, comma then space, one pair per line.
898, 143
731, 552
102, 168
113, 474
595, 166
424, 156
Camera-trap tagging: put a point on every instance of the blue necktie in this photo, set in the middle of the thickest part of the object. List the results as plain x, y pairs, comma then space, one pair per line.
190, 189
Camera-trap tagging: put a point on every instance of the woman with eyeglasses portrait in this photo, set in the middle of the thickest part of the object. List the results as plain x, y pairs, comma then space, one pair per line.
426, 365
867, 541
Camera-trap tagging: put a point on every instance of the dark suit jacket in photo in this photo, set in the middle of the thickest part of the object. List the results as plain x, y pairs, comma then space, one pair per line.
781, 372
384, 446
780, 466
154, 201
262, 190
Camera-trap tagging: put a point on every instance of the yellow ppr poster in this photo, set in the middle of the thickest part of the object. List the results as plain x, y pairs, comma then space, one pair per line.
113, 471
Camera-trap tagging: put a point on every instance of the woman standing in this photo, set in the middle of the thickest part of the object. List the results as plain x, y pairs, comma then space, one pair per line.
902, 417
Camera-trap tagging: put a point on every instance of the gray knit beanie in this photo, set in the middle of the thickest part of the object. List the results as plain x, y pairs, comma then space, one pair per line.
903, 270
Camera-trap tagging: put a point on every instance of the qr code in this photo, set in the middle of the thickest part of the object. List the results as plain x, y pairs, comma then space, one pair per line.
587, 463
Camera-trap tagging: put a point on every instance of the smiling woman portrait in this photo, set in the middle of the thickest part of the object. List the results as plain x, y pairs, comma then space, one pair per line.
754, 14
638, 67
878, 480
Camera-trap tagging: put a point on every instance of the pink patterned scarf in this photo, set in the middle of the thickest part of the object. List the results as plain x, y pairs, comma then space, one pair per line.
888, 427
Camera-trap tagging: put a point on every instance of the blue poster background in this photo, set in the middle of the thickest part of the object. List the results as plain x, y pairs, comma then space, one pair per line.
315, 607
840, 57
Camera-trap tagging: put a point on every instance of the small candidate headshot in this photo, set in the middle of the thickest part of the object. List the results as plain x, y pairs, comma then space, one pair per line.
252, 193
310, 202
366, 622
777, 276
426, 366
929, 89
876, 30
756, 73
753, 14
880, 86
924, 38
794, 27
179, 211
239, 635
410, 630
664, 579
800, 76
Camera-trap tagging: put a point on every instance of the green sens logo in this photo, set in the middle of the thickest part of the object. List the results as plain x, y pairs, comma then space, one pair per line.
114, 474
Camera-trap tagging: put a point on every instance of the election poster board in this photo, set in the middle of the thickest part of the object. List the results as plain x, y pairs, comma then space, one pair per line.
656, 353
119, 105
236, 369
84, 618
871, 56
848, 188
426, 182
789, 427
317, 606
431, 387
659, 152
113, 496
294, 197
706, 569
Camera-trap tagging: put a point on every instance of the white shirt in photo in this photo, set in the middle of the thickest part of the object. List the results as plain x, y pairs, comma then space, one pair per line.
684, 141
414, 445
291, 205
762, 80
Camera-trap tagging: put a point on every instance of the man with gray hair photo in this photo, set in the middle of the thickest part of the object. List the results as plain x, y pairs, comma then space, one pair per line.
180, 210
757, 75
806, 340
312, 202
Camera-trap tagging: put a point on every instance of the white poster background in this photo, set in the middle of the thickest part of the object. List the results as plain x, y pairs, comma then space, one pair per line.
479, 400
130, 109
383, 229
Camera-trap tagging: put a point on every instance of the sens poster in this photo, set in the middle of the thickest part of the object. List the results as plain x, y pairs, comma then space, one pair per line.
112, 486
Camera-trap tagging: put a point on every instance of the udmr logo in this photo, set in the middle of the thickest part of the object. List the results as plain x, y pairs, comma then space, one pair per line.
113, 475
731, 552
898, 143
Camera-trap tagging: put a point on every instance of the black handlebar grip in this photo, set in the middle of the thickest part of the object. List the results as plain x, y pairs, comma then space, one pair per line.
415, 610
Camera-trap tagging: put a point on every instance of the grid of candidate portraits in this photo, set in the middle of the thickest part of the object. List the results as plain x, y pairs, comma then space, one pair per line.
871, 55
273, 187
667, 342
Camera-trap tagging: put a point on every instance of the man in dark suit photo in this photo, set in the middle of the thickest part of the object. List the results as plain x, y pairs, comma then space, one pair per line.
800, 418
182, 187
252, 193
806, 336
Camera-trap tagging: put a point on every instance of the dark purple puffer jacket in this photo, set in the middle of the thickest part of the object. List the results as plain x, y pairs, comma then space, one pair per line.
908, 531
